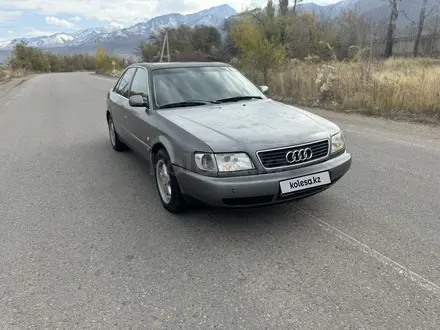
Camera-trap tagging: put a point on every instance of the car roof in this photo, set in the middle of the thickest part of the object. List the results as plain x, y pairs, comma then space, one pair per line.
169, 65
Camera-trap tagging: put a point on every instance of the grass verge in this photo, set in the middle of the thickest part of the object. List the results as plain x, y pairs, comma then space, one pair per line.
400, 89
7, 74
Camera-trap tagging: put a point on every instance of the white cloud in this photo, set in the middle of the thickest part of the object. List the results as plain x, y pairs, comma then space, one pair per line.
120, 11
75, 19
59, 22
11, 32
6, 15
123, 13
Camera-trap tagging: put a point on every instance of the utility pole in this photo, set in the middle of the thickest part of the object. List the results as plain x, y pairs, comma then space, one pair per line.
167, 44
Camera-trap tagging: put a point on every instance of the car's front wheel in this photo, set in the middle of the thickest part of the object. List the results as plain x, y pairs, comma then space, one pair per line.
117, 144
166, 182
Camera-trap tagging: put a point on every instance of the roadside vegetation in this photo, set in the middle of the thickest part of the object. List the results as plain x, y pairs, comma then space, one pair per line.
26, 59
304, 58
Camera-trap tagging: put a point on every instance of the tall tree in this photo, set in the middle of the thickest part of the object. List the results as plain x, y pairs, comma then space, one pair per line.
270, 9
257, 50
295, 3
284, 7
391, 28
420, 26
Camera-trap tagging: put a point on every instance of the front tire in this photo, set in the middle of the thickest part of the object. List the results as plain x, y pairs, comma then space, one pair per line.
166, 183
116, 143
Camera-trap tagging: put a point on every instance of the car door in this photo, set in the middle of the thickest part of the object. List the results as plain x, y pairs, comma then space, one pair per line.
140, 119
120, 102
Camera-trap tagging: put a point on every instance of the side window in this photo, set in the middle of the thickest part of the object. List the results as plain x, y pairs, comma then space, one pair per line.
118, 83
123, 88
140, 84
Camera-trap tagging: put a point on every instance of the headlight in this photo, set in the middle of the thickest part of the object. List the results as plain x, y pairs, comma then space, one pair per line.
338, 142
232, 162
205, 162
227, 162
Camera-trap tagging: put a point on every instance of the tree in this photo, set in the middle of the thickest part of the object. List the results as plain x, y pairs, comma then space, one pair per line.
422, 18
391, 28
257, 50
179, 38
148, 52
34, 59
205, 38
229, 48
270, 9
303, 36
104, 61
295, 4
284, 7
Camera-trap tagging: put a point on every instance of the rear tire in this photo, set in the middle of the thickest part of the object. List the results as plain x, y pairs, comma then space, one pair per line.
166, 183
116, 143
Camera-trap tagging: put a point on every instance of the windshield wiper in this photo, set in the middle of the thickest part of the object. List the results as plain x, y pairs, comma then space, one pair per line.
190, 103
239, 98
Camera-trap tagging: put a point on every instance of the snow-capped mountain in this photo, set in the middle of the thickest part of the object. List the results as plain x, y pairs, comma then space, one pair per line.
214, 16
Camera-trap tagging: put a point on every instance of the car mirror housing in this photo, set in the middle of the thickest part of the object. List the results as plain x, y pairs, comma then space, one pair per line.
264, 89
138, 101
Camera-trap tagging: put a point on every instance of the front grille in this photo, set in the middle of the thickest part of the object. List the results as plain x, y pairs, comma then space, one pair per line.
277, 158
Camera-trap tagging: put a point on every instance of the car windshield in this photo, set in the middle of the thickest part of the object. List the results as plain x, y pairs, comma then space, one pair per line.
200, 85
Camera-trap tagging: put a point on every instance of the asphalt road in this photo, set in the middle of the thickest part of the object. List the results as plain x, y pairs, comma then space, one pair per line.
85, 243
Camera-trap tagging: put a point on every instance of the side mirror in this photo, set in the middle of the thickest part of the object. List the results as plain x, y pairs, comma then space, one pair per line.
137, 101
264, 89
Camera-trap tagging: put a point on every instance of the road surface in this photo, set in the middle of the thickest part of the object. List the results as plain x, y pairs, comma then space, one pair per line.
85, 243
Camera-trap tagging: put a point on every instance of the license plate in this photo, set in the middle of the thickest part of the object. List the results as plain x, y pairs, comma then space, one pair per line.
305, 182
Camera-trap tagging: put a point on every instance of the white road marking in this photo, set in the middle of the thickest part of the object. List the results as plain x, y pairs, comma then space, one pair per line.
7, 103
400, 269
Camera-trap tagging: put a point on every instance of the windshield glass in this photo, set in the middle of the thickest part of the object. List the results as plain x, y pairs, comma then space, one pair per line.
174, 85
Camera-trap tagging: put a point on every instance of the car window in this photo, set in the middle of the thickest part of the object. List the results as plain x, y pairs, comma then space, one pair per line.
118, 83
123, 88
200, 83
140, 84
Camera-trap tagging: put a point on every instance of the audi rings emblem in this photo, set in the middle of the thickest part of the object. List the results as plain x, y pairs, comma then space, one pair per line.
299, 155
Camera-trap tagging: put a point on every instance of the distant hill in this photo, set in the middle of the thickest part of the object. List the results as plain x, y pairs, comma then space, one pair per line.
378, 10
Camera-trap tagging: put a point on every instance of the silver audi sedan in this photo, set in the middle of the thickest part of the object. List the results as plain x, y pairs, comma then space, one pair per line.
214, 137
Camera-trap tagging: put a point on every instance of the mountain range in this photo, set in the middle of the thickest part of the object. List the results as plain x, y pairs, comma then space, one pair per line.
214, 16
377, 10
122, 42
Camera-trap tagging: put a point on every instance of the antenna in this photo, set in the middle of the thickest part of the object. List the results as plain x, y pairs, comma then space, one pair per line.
167, 44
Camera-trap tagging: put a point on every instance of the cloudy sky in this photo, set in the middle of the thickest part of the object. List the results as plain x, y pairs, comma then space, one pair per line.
29, 18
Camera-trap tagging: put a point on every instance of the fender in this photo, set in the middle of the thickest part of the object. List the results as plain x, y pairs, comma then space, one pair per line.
164, 142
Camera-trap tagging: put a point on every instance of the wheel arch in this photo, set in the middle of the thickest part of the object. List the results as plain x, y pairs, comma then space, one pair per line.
163, 143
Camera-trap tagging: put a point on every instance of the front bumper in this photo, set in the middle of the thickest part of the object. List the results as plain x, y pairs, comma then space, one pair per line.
256, 190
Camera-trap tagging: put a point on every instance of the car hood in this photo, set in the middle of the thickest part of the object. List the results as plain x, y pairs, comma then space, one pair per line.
250, 126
